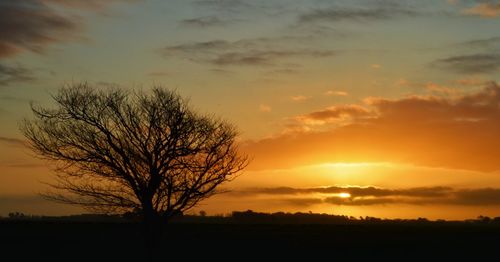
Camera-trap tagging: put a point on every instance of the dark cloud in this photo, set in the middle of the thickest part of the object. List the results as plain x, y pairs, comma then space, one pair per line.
203, 22
485, 43
94, 5
208, 46
12, 141
230, 8
476, 63
259, 51
485, 196
225, 5
32, 25
283, 71
356, 14
14, 74
354, 191
363, 196
266, 57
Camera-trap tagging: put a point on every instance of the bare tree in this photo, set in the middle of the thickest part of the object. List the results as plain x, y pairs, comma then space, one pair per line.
117, 151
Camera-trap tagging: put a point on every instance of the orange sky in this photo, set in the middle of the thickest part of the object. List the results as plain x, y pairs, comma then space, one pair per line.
395, 102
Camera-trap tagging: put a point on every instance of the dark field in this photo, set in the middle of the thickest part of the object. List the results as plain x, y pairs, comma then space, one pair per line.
95, 241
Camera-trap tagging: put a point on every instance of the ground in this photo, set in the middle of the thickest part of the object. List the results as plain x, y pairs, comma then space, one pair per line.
119, 241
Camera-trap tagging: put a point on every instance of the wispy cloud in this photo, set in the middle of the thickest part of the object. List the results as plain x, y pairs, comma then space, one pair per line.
265, 57
95, 5
251, 52
225, 5
488, 9
484, 43
476, 63
299, 98
337, 14
336, 93
14, 74
265, 108
334, 114
203, 22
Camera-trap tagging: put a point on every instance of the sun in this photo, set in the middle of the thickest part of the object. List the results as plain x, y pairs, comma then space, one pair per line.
344, 195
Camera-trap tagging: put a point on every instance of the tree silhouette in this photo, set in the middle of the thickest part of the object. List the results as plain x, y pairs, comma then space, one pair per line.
117, 151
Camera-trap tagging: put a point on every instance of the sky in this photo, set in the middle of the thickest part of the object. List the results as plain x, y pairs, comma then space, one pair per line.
362, 108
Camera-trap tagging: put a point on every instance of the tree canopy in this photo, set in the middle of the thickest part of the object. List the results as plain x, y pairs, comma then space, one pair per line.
117, 151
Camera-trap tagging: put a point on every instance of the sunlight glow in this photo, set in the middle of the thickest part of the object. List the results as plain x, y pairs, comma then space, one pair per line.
354, 168
344, 195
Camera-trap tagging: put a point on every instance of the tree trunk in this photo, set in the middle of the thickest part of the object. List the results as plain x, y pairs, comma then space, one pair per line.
152, 233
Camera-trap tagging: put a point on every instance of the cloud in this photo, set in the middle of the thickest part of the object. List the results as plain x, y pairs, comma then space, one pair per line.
485, 196
207, 46
489, 9
375, 66
225, 5
484, 43
32, 25
14, 74
94, 5
333, 114
265, 108
472, 81
203, 22
249, 52
442, 90
231, 8
336, 93
281, 71
264, 57
338, 14
12, 141
35, 24
456, 132
362, 196
468, 64
299, 98
354, 191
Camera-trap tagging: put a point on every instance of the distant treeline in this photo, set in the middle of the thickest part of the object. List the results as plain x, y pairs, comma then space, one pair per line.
250, 217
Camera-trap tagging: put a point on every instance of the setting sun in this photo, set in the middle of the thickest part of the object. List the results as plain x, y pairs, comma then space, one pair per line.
344, 195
